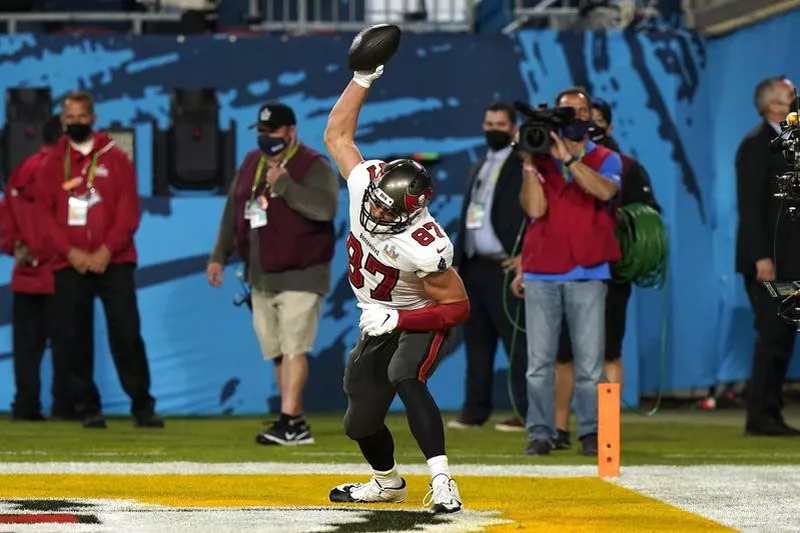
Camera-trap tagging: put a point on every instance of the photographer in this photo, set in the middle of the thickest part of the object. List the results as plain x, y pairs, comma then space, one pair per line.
636, 188
566, 253
766, 250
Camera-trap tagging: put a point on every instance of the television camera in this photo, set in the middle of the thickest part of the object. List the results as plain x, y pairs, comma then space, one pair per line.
534, 134
788, 295
787, 188
788, 142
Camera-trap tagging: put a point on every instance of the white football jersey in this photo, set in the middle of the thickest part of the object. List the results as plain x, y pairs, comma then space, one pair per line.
388, 269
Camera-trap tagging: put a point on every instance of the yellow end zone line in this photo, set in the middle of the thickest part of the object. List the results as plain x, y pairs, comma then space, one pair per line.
545, 503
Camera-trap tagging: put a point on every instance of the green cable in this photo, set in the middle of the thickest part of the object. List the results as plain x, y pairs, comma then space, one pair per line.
514, 323
643, 241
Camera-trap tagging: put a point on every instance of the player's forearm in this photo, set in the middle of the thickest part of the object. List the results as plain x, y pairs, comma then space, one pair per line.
433, 318
343, 119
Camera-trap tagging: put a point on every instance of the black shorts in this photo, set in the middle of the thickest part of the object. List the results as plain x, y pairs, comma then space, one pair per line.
376, 365
617, 296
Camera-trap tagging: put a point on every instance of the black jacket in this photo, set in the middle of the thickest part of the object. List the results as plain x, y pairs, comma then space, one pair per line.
764, 229
507, 213
636, 185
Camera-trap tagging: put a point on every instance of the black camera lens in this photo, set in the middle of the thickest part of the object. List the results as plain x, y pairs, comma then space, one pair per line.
536, 137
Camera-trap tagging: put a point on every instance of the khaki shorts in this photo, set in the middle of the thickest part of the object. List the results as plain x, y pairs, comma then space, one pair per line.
286, 322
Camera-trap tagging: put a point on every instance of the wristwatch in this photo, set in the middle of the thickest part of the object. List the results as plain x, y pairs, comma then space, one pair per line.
570, 161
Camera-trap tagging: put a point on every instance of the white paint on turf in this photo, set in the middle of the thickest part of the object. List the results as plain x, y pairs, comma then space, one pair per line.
189, 468
130, 516
748, 498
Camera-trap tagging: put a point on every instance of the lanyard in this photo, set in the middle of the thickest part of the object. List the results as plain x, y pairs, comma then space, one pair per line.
262, 163
68, 165
565, 170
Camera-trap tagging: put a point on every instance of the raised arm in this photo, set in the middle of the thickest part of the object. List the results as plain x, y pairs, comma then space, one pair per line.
340, 133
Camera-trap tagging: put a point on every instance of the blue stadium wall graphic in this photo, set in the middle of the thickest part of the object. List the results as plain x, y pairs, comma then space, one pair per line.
670, 111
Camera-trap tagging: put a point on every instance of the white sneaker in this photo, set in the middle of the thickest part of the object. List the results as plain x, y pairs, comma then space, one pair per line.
443, 496
369, 492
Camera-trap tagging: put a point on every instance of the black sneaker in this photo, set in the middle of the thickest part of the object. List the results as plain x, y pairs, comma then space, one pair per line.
538, 447
148, 420
589, 445
563, 441
287, 433
272, 427
95, 421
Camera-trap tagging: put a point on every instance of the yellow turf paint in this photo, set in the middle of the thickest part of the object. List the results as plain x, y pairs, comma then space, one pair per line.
543, 504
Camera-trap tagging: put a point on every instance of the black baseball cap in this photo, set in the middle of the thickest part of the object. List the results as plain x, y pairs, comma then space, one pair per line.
604, 108
274, 115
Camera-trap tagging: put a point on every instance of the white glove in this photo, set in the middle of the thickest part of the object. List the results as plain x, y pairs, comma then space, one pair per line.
365, 77
377, 320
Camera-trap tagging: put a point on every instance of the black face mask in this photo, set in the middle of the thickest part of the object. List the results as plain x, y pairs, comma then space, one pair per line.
78, 132
576, 130
272, 146
497, 140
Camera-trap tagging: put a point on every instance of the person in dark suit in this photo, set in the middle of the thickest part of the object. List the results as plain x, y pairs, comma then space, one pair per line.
491, 218
766, 250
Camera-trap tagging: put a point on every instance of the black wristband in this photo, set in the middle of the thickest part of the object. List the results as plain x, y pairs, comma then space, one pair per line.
570, 161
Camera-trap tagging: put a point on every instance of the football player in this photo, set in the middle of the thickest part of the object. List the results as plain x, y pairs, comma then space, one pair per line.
400, 270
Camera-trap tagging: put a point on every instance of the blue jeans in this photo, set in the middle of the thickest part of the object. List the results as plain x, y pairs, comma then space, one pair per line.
583, 304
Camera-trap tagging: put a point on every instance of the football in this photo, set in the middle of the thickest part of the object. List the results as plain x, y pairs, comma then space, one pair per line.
373, 46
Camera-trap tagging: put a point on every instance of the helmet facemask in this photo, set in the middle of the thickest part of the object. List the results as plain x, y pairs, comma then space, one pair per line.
397, 218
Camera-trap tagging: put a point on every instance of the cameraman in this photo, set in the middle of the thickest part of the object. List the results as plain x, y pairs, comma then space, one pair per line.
566, 253
636, 188
762, 245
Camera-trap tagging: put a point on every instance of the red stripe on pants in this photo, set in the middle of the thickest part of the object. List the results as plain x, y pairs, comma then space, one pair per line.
433, 353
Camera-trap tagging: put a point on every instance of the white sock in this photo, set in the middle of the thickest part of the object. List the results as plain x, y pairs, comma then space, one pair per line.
438, 465
389, 479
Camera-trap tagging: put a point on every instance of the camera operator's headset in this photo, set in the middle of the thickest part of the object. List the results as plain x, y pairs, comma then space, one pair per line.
643, 240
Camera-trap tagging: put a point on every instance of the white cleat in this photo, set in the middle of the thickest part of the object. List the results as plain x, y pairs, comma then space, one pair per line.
443, 496
369, 492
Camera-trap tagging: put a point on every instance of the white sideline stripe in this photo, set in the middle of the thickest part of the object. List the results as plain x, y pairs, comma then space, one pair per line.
194, 468
191, 468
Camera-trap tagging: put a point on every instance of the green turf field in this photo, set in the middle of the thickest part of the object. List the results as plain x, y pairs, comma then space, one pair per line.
670, 437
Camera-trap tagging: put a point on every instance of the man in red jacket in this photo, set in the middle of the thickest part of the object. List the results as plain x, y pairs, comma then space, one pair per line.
566, 255
33, 286
90, 210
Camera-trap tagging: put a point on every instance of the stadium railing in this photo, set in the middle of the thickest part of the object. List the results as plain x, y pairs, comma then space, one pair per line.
304, 16
136, 20
562, 14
